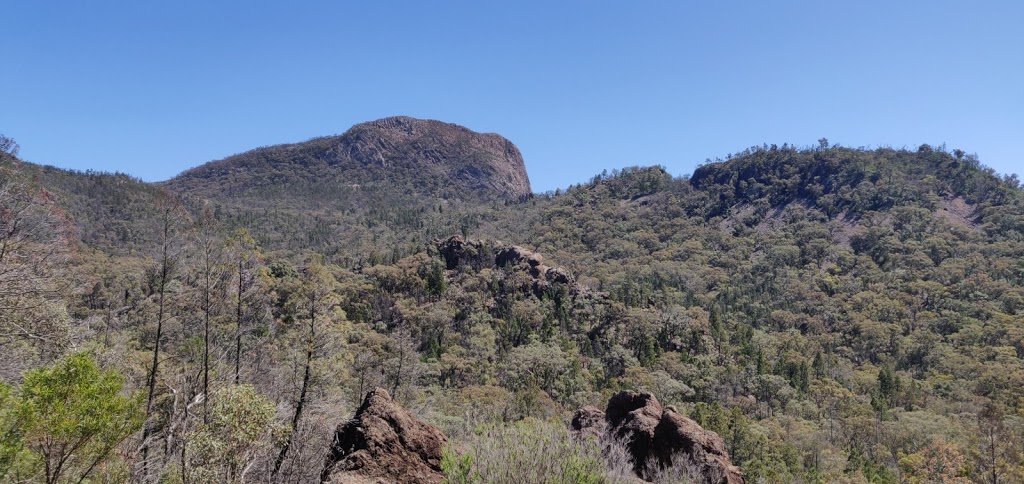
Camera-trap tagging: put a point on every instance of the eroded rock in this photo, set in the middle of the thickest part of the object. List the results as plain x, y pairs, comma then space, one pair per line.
659, 436
384, 443
588, 420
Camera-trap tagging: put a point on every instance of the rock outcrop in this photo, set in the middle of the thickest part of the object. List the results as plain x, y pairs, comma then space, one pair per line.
384, 443
481, 162
653, 434
397, 155
458, 251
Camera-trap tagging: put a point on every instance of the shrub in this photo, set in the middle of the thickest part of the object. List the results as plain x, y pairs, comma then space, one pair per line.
528, 451
66, 420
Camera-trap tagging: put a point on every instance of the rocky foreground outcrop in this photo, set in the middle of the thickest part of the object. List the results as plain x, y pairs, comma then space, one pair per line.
384, 443
653, 434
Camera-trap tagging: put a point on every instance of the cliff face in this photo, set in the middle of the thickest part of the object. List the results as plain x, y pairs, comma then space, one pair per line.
485, 164
400, 154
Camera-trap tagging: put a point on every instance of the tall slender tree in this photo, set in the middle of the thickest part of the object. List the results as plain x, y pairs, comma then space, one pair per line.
314, 297
210, 277
246, 255
170, 249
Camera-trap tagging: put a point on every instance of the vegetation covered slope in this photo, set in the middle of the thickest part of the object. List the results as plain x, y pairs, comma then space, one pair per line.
837, 315
107, 211
864, 307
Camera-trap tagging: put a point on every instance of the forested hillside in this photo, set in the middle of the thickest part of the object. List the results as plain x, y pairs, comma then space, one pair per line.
835, 314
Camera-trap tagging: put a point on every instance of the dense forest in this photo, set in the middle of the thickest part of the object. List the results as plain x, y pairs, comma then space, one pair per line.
834, 314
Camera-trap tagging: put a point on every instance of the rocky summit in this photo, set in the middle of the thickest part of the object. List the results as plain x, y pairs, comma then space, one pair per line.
397, 154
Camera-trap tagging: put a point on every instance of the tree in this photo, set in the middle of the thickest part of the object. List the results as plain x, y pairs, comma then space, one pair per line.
312, 301
993, 453
33, 260
401, 367
209, 246
12, 448
247, 258
71, 416
240, 427
169, 252
9, 146
937, 462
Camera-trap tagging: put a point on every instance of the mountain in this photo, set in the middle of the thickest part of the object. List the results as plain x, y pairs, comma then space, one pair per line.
833, 314
364, 196
392, 155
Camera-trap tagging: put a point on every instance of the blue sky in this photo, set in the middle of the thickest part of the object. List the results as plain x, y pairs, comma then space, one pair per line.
153, 88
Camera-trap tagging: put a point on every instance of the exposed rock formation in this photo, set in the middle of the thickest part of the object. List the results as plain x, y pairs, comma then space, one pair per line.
459, 251
589, 421
394, 155
661, 435
384, 443
482, 162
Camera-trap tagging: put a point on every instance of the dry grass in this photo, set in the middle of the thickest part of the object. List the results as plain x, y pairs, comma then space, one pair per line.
540, 451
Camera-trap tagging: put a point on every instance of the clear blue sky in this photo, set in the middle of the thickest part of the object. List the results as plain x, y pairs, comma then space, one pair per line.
153, 88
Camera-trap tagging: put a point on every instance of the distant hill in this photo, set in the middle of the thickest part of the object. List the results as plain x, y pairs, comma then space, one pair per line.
362, 195
113, 212
838, 180
398, 155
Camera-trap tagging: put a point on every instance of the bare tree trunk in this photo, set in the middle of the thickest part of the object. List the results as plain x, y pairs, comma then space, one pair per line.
206, 332
992, 454
238, 325
154, 367
398, 372
305, 386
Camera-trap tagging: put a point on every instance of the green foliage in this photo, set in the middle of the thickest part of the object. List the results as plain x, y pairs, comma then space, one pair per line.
15, 459
458, 469
68, 421
241, 427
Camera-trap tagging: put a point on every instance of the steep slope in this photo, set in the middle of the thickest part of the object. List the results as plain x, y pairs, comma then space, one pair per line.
391, 156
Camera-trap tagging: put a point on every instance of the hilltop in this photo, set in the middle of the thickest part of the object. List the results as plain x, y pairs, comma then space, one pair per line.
391, 155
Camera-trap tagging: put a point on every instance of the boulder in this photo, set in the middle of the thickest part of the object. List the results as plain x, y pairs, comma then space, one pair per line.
557, 275
457, 250
515, 255
660, 436
677, 435
588, 420
633, 417
384, 443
